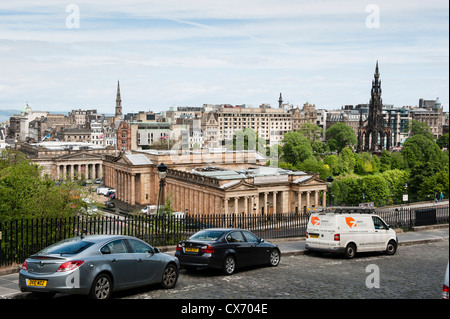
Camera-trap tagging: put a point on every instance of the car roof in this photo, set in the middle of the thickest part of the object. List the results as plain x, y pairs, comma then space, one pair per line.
225, 229
101, 238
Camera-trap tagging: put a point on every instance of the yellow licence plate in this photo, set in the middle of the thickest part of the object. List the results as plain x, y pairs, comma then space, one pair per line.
191, 250
314, 235
36, 283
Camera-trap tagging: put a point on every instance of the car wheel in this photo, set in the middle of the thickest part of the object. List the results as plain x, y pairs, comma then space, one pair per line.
274, 258
350, 251
391, 248
229, 265
101, 287
170, 277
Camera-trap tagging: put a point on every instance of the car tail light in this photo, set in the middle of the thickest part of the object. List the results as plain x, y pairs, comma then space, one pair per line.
306, 234
337, 237
445, 292
178, 247
208, 249
70, 265
24, 265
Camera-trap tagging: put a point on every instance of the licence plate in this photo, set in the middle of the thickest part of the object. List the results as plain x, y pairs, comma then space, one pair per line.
36, 283
191, 250
314, 235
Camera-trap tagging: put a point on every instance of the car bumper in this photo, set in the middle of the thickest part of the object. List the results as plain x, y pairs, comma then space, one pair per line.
67, 283
337, 250
205, 261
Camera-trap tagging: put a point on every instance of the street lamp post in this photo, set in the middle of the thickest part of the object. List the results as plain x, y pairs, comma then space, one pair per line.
330, 180
162, 173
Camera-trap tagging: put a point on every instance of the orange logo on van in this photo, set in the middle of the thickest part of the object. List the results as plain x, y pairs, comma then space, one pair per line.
350, 221
315, 221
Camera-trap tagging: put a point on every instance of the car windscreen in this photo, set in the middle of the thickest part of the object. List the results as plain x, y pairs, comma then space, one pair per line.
70, 246
207, 235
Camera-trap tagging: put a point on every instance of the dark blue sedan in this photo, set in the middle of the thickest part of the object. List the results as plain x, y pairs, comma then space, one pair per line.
226, 249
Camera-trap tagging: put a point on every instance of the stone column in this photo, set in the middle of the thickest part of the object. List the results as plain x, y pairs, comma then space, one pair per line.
225, 206
316, 198
266, 207
308, 205
300, 207
324, 199
133, 193
275, 203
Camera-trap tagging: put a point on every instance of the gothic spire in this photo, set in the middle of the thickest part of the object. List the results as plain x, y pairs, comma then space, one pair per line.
118, 103
118, 93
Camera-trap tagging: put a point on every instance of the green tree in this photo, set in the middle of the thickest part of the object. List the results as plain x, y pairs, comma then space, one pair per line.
442, 141
366, 163
311, 131
340, 135
419, 149
296, 148
420, 128
25, 193
385, 161
395, 178
375, 188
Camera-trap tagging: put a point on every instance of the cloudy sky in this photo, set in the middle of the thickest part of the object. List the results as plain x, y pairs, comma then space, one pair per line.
63, 55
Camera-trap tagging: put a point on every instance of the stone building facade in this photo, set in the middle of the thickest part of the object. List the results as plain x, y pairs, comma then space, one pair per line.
62, 160
214, 183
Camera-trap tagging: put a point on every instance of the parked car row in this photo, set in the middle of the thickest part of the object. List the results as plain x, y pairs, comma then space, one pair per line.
98, 265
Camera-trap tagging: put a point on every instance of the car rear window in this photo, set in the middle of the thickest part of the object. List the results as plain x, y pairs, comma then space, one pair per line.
207, 235
70, 246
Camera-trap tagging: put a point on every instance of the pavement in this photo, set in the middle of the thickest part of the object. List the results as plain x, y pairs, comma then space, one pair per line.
9, 277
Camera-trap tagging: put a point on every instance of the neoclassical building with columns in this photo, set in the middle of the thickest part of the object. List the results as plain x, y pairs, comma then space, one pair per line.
211, 183
67, 160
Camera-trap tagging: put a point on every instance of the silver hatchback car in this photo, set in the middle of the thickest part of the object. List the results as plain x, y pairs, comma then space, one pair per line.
96, 266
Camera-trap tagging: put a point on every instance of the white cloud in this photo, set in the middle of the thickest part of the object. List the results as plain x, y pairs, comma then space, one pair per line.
167, 52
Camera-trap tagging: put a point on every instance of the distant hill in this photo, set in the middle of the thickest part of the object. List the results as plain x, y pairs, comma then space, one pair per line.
6, 114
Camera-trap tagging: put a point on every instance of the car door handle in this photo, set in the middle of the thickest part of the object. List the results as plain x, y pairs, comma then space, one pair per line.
139, 260
114, 260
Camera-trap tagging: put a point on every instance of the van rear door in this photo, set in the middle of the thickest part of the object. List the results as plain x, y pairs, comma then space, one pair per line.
322, 227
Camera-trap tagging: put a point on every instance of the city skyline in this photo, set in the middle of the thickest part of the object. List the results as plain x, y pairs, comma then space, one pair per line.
60, 57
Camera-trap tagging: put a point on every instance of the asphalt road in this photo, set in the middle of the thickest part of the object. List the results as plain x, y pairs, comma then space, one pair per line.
415, 272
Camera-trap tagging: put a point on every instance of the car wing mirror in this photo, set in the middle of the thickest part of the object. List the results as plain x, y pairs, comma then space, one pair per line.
261, 240
156, 250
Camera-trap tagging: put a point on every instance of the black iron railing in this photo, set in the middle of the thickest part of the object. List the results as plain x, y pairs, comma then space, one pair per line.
23, 237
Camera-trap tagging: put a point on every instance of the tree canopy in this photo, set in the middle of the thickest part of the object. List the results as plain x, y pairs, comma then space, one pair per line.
25, 193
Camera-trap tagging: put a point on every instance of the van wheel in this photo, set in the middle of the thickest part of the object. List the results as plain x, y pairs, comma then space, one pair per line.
350, 251
391, 248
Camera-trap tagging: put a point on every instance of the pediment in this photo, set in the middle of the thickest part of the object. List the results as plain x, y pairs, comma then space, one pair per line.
238, 185
122, 160
78, 156
310, 181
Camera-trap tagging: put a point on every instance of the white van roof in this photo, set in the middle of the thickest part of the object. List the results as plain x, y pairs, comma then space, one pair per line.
345, 210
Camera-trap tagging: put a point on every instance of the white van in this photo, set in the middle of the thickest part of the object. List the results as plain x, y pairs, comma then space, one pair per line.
349, 233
